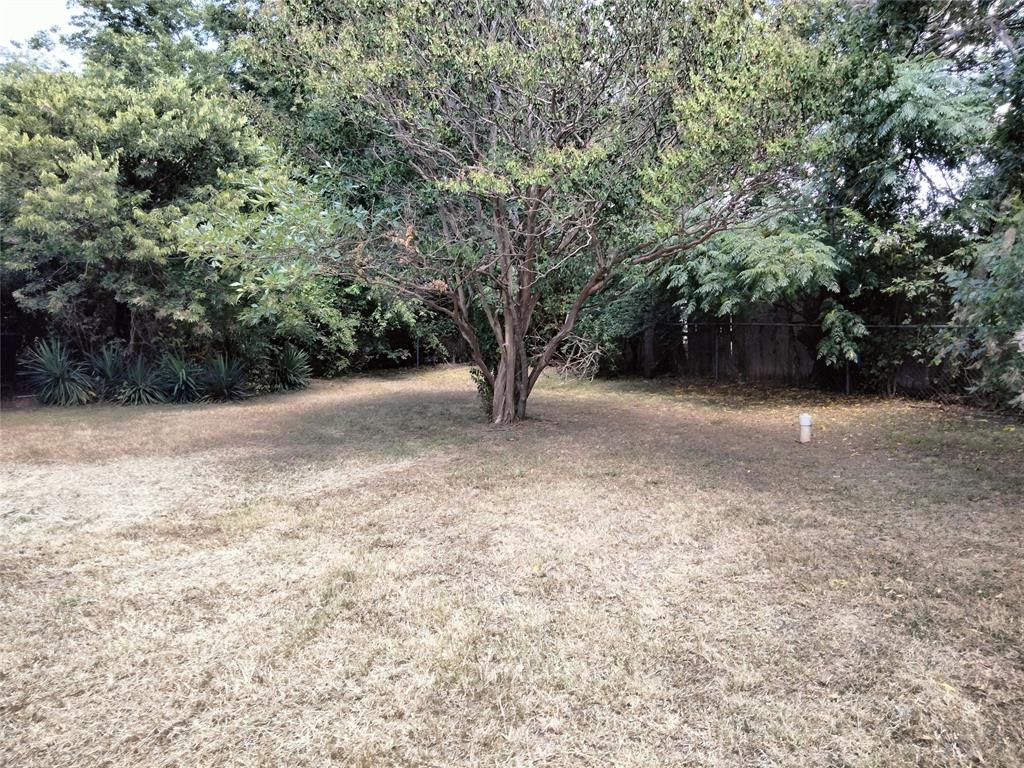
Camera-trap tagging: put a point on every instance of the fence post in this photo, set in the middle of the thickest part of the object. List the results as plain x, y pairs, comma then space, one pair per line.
847, 377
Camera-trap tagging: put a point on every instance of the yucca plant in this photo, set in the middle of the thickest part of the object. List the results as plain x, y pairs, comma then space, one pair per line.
225, 379
180, 378
141, 385
293, 368
55, 377
107, 370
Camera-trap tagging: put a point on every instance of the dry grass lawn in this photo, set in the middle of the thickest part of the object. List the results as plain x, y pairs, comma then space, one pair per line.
645, 574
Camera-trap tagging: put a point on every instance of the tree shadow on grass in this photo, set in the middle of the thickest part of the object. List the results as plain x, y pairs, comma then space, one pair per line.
750, 447
728, 438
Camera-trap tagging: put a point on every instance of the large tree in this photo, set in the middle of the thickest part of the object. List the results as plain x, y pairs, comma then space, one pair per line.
509, 154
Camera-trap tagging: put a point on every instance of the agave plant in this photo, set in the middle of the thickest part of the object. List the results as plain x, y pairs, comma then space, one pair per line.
107, 370
180, 378
141, 385
293, 368
225, 379
56, 378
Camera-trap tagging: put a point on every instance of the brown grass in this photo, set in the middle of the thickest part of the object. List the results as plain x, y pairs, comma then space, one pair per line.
644, 574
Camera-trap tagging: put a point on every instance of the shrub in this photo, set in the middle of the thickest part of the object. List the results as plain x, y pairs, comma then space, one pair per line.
484, 390
293, 368
107, 369
990, 311
180, 378
55, 378
141, 385
224, 379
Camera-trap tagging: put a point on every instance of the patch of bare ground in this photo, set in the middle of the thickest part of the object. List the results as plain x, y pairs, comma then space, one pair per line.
644, 574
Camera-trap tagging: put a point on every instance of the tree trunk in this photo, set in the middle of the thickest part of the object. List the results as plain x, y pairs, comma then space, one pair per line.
517, 371
511, 384
648, 358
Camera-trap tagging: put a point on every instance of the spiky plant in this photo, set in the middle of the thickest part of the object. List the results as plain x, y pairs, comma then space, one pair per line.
180, 378
107, 369
224, 379
141, 385
55, 377
293, 368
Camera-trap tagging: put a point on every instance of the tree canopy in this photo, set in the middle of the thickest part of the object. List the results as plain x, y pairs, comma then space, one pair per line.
527, 149
356, 176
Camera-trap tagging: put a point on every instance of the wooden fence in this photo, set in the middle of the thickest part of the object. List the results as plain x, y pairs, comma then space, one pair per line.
775, 351
748, 351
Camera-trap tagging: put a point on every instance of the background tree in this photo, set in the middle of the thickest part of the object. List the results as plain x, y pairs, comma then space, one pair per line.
989, 305
920, 154
112, 179
96, 174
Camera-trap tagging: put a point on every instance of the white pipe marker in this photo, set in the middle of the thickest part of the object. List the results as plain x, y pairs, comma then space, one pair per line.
805, 427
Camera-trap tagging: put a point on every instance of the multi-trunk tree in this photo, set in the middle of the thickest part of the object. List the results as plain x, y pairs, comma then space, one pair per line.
515, 155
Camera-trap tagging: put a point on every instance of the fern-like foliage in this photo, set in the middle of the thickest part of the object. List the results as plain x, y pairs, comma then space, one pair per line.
736, 269
842, 330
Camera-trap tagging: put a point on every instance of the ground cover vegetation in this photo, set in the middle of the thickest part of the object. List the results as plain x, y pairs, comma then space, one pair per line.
366, 573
